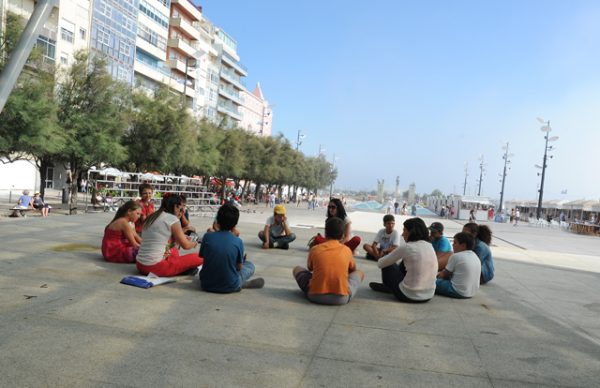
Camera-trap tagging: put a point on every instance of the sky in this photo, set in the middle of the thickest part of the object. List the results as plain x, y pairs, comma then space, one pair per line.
418, 89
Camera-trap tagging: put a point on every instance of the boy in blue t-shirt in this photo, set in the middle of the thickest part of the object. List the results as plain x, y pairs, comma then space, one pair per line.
225, 268
441, 245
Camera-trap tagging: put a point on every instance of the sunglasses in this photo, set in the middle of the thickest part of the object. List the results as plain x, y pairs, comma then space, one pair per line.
332, 207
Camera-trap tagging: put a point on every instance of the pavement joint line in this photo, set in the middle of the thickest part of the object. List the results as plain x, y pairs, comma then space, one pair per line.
396, 367
314, 355
470, 338
510, 243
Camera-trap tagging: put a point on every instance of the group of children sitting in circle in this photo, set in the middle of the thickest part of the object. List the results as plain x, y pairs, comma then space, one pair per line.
413, 270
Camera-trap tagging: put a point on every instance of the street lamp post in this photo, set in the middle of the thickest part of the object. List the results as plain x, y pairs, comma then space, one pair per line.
546, 129
332, 170
299, 139
466, 175
480, 175
506, 162
189, 62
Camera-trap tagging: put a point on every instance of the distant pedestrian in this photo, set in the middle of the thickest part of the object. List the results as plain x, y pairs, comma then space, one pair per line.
517, 217
396, 208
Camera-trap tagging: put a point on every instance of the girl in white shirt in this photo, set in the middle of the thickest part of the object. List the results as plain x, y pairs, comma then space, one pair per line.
409, 271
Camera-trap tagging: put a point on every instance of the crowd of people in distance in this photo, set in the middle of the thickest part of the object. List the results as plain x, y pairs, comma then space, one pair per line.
415, 264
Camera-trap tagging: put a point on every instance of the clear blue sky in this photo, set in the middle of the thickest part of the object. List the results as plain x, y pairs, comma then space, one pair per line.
417, 88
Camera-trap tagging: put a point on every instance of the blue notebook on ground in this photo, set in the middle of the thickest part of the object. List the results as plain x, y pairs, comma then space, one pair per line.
146, 281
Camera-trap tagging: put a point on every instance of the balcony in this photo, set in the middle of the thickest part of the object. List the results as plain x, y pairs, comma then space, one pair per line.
233, 95
186, 27
154, 73
189, 8
150, 48
180, 66
229, 111
235, 64
230, 77
182, 46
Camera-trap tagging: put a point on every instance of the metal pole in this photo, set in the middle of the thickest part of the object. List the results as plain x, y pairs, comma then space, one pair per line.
503, 179
539, 206
466, 175
14, 65
298, 140
332, 169
185, 81
480, 176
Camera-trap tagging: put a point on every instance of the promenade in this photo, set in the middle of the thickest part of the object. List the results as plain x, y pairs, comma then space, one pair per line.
66, 321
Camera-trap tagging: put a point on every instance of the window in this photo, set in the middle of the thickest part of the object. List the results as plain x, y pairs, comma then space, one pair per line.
47, 47
82, 33
122, 74
103, 37
66, 35
64, 58
124, 49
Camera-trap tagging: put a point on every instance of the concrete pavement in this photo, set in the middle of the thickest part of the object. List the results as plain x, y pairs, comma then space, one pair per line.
66, 321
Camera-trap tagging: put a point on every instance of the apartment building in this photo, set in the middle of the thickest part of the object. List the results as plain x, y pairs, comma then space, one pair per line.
113, 32
150, 68
257, 115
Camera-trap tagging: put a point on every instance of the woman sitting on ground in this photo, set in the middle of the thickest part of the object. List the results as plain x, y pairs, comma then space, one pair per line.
38, 203
483, 239
409, 271
159, 253
120, 243
336, 209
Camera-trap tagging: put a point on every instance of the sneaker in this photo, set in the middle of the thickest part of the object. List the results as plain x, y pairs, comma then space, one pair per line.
254, 283
380, 287
283, 246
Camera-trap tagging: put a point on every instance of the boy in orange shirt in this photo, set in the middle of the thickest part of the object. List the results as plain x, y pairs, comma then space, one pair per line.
331, 277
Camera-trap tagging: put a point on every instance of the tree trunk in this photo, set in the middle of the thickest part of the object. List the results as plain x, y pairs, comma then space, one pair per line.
72, 187
42, 166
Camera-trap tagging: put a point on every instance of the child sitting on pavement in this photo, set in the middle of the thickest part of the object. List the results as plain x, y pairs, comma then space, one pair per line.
146, 190
386, 240
277, 232
331, 277
225, 267
441, 245
460, 278
120, 243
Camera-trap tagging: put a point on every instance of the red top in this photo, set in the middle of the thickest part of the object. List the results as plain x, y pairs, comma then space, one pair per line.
147, 209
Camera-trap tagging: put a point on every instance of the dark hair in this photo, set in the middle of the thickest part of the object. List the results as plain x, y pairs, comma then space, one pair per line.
125, 208
145, 186
471, 228
485, 234
168, 203
227, 216
341, 211
482, 232
388, 218
465, 238
183, 198
417, 230
334, 228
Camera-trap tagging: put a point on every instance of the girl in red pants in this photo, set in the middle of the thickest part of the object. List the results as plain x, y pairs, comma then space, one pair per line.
335, 208
159, 252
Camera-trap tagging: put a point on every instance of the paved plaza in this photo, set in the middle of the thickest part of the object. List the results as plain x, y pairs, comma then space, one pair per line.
66, 321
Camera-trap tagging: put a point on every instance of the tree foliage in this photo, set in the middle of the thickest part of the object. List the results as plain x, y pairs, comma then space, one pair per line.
93, 111
28, 127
